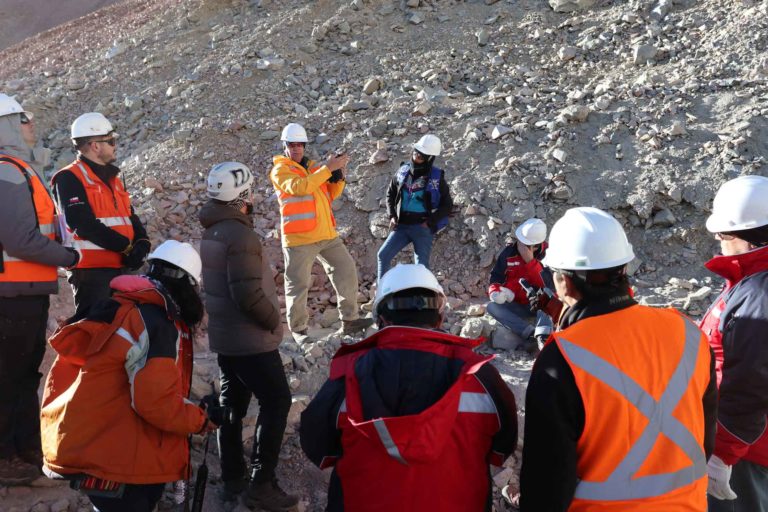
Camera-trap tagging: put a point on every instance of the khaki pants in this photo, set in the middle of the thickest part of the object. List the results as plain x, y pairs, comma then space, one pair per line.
341, 270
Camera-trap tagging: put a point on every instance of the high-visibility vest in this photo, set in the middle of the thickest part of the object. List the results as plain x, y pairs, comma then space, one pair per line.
15, 269
112, 207
642, 373
299, 213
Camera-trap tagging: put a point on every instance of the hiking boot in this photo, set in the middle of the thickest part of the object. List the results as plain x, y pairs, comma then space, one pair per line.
15, 471
355, 326
301, 336
269, 496
233, 488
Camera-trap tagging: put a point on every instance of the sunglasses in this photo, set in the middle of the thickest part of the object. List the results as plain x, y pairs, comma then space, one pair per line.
112, 142
295, 144
26, 117
724, 237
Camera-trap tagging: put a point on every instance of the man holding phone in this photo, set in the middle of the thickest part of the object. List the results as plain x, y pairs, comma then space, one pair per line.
305, 191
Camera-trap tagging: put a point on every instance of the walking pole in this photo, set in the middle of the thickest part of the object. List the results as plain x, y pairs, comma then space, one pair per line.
201, 480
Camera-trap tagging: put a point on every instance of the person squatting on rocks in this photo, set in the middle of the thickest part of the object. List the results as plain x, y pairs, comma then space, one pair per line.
305, 190
410, 417
95, 208
737, 326
509, 303
244, 330
29, 255
418, 203
621, 404
115, 418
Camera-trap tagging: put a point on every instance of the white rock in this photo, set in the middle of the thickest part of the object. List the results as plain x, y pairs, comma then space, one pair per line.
412, 3
677, 128
416, 18
643, 53
570, 5
473, 328
483, 36
575, 113
560, 155
567, 53
499, 131
371, 85
476, 310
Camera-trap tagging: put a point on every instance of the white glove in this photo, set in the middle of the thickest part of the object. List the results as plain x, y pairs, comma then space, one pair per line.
497, 297
509, 295
719, 479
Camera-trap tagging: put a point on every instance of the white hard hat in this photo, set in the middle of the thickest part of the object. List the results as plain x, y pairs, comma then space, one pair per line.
404, 277
91, 124
531, 232
429, 145
587, 239
741, 203
228, 180
294, 132
180, 254
9, 106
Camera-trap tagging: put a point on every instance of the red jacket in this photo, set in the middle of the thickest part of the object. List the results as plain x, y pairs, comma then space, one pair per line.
510, 268
736, 327
115, 402
419, 422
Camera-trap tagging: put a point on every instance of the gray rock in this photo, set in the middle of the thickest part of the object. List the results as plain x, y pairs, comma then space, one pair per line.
570, 5
483, 36
664, 218
371, 85
643, 53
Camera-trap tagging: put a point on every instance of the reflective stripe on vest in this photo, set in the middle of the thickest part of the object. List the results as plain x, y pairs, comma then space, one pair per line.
299, 213
621, 485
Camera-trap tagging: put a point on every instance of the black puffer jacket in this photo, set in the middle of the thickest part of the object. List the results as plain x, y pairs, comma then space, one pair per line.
240, 293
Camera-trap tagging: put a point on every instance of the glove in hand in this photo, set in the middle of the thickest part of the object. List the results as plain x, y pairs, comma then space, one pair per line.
135, 259
719, 485
508, 294
497, 297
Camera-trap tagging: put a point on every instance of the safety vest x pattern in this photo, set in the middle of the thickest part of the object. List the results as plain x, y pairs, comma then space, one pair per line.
299, 213
17, 269
632, 485
111, 207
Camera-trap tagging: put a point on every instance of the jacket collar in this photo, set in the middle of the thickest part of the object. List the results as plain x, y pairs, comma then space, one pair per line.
213, 212
142, 289
585, 309
105, 172
735, 268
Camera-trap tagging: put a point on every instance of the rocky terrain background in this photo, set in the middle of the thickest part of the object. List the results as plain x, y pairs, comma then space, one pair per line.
642, 108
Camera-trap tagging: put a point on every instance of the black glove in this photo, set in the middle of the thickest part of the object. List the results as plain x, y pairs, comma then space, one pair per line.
136, 256
542, 299
75, 255
336, 176
216, 413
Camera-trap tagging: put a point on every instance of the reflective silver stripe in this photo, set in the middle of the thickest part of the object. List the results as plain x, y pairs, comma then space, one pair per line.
7, 257
621, 485
299, 216
476, 402
136, 357
47, 229
80, 166
342, 409
297, 199
386, 440
114, 221
85, 244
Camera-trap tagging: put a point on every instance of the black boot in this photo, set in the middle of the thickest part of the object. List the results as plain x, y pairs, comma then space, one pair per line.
269, 496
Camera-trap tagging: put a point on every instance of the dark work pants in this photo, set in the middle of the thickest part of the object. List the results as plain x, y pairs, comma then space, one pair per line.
90, 285
22, 346
750, 482
136, 498
263, 376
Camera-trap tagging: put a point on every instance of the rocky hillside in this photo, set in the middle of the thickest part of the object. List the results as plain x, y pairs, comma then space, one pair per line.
639, 107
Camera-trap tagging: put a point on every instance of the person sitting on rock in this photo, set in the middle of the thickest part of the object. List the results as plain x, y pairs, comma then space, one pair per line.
410, 417
418, 202
509, 304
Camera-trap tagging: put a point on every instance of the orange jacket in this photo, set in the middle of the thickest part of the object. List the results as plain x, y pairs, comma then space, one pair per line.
112, 207
17, 270
641, 373
114, 404
305, 198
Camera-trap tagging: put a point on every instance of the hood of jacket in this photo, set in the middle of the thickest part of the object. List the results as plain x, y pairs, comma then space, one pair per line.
75, 342
212, 213
11, 141
737, 267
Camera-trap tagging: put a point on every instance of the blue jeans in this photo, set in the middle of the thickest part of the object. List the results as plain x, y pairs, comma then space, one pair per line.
401, 236
750, 482
517, 318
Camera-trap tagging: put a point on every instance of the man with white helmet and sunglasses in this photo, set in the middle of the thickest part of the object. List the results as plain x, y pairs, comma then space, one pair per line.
411, 417
245, 331
305, 191
96, 213
29, 255
737, 326
620, 406
418, 204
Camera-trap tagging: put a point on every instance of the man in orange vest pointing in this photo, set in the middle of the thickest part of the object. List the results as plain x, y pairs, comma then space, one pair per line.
305, 191
621, 404
97, 213
29, 256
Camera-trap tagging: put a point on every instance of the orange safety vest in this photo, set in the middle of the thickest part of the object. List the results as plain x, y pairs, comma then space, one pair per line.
112, 207
642, 373
16, 269
299, 213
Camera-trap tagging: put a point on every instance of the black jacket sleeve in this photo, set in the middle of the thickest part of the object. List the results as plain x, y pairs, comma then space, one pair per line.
554, 422
499, 271
139, 231
446, 201
710, 409
392, 193
505, 440
244, 274
318, 433
73, 203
